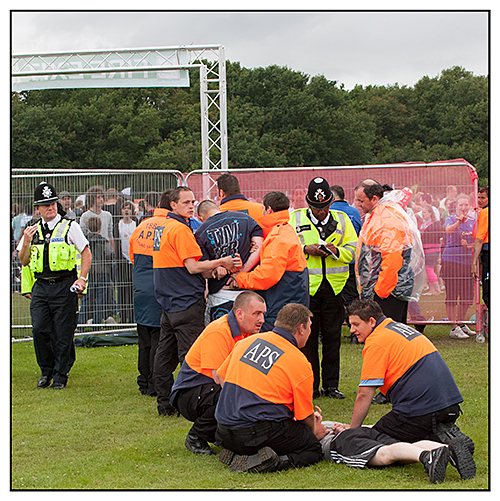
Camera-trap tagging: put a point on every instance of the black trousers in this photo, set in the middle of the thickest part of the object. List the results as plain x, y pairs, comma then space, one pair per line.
288, 437
485, 276
178, 332
392, 307
54, 315
148, 337
328, 317
414, 429
198, 405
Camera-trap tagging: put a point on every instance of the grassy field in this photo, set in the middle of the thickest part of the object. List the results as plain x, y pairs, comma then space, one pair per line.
101, 433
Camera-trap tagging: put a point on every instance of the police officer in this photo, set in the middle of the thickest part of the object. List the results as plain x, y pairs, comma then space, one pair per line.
329, 241
50, 248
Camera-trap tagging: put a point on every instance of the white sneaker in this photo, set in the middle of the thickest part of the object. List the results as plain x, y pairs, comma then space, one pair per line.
458, 333
467, 331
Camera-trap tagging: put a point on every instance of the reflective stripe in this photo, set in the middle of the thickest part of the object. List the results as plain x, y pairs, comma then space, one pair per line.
298, 218
329, 271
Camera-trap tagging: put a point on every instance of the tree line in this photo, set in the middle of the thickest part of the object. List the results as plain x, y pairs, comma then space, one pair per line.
277, 117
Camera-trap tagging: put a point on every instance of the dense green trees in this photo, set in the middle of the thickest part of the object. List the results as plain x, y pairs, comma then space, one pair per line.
276, 117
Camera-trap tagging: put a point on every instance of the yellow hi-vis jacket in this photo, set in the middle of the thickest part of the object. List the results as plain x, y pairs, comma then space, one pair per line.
62, 256
344, 238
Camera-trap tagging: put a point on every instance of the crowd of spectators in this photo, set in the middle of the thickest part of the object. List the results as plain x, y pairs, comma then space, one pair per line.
446, 227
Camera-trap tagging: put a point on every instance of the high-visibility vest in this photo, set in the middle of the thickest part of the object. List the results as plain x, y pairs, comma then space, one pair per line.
28, 279
344, 238
62, 256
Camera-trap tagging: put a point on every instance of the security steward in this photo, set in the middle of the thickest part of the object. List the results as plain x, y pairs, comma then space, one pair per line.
329, 241
196, 389
50, 248
265, 415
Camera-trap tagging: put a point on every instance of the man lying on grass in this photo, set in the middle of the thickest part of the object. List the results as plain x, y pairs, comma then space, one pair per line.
365, 446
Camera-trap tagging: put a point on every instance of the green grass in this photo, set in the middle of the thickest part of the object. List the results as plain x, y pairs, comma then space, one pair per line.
101, 433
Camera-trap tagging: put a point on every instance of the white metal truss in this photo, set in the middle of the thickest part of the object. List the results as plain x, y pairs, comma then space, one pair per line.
210, 60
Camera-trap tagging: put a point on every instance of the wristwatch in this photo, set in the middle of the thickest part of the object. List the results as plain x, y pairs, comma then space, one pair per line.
85, 279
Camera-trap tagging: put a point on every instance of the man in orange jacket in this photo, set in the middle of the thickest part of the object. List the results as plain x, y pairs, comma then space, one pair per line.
282, 271
384, 252
179, 282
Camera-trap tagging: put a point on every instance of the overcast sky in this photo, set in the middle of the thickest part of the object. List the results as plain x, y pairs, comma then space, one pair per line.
365, 48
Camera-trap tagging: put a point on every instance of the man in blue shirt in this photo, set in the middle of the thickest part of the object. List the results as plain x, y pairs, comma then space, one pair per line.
224, 234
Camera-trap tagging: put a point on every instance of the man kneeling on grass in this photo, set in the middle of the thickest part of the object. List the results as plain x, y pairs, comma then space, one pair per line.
365, 446
410, 372
265, 414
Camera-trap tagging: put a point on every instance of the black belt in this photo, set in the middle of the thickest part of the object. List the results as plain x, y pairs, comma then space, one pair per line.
247, 430
55, 280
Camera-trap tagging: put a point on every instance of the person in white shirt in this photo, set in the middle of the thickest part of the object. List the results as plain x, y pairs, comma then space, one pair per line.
49, 247
124, 267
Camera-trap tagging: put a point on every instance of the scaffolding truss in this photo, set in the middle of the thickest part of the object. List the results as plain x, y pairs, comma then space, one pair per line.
154, 65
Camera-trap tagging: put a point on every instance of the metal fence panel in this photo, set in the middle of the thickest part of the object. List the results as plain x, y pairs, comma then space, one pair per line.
423, 178
110, 306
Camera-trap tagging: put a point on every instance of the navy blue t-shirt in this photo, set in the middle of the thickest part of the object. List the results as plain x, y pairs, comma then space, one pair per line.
225, 234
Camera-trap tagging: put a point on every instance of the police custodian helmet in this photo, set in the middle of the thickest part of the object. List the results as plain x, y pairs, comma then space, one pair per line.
45, 194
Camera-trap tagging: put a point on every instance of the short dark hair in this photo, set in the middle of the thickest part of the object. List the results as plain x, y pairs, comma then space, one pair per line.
128, 204
485, 189
165, 199
427, 198
176, 193
371, 190
205, 206
365, 309
276, 200
91, 195
338, 191
244, 298
292, 316
229, 184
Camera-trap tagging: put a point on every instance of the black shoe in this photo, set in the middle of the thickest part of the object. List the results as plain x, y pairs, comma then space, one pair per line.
44, 381
56, 385
380, 398
435, 463
446, 432
461, 458
265, 460
167, 410
316, 394
198, 445
332, 392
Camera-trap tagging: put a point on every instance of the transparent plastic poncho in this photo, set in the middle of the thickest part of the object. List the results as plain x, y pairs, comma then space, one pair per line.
382, 247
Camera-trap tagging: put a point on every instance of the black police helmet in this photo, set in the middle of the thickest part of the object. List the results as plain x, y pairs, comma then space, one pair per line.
45, 194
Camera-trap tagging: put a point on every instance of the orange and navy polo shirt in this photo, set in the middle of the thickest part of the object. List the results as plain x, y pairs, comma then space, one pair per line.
175, 288
266, 378
408, 368
147, 310
482, 227
240, 203
207, 353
